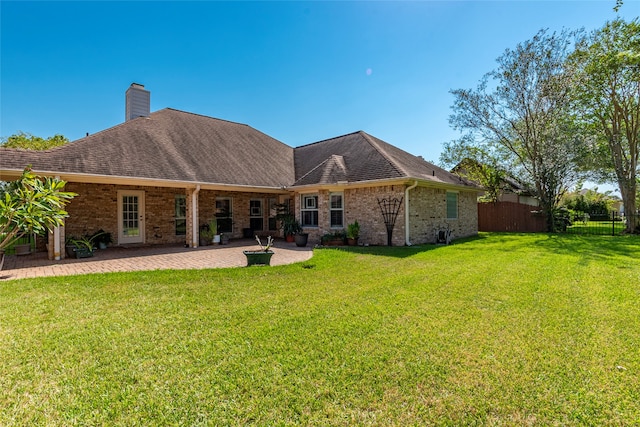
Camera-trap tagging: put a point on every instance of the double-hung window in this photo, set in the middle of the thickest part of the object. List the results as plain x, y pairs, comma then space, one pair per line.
336, 210
452, 205
255, 215
309, 210
224, 215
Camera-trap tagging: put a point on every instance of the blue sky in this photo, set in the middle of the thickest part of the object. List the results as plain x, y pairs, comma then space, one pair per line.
298, 71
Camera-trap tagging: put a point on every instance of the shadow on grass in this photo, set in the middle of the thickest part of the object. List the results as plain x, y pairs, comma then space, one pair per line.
588, 246
592, 247
398, 251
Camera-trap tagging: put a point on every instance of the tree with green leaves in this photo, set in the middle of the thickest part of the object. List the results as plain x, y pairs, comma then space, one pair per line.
589, 201
607, 99
32, 204
471, 162
519, 116
31, 142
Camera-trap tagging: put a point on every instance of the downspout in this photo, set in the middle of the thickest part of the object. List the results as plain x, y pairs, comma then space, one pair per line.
406, 213
194, 217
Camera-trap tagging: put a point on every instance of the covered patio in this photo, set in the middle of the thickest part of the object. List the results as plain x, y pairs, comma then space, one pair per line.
148, 257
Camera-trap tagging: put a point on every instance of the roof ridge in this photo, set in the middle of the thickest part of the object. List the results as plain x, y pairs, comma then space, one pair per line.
227, 121
202, 115
108, 129
384, 153
314, 169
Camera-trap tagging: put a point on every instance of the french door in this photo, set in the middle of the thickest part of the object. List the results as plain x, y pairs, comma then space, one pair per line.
130, 217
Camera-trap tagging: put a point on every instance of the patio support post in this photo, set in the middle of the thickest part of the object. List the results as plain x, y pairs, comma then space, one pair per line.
192, 216
56, 243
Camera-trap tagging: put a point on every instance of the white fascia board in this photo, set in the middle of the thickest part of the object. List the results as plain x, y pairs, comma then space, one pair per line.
145, 182
380, 183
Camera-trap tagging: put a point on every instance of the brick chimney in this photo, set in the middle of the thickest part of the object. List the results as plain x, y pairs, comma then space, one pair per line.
138, 102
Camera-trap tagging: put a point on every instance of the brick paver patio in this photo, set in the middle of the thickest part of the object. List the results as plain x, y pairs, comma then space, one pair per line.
148, 258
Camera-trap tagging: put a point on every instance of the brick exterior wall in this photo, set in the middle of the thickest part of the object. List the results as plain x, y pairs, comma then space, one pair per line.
239, 209
360, 204
96, 207
428, 210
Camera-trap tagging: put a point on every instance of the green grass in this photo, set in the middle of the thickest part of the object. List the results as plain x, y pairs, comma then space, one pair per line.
502, 329
596, 227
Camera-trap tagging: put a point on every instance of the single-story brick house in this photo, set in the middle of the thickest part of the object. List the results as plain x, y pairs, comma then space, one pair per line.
156, 177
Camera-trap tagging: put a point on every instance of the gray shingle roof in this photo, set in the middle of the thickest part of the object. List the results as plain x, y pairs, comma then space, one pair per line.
364, 158
179, 146
170, 145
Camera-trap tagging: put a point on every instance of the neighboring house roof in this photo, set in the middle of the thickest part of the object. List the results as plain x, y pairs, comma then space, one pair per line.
357, 157
173, 145
170, 145
509, 184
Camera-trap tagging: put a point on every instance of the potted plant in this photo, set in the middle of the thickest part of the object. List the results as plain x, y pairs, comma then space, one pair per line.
261, 257
70, 247
206, 235
224, 238
290, 227
23, 246
101, 238
288, 222
301, 239
353, 233
333, 239
82, 247
213, 226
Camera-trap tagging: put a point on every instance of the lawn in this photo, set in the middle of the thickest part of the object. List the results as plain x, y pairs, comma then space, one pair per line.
502, 329
597, 227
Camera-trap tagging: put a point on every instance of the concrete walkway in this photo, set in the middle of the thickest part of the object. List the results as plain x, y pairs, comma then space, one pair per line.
148, 258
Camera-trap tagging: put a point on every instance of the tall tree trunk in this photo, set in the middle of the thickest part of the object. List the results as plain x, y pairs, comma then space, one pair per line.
628, 192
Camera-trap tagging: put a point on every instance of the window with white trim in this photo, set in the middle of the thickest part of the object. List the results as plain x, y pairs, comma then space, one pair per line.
309, 210
181, 214
452, 205
256, 220
224, 214
336, 210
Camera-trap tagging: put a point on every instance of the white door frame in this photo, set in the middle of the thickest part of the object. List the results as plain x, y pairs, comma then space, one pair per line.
136, 238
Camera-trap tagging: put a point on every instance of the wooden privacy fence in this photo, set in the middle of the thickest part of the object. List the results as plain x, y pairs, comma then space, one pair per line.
509, 216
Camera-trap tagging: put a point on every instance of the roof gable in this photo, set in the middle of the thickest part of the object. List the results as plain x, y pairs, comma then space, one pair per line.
362, 161
365, 158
